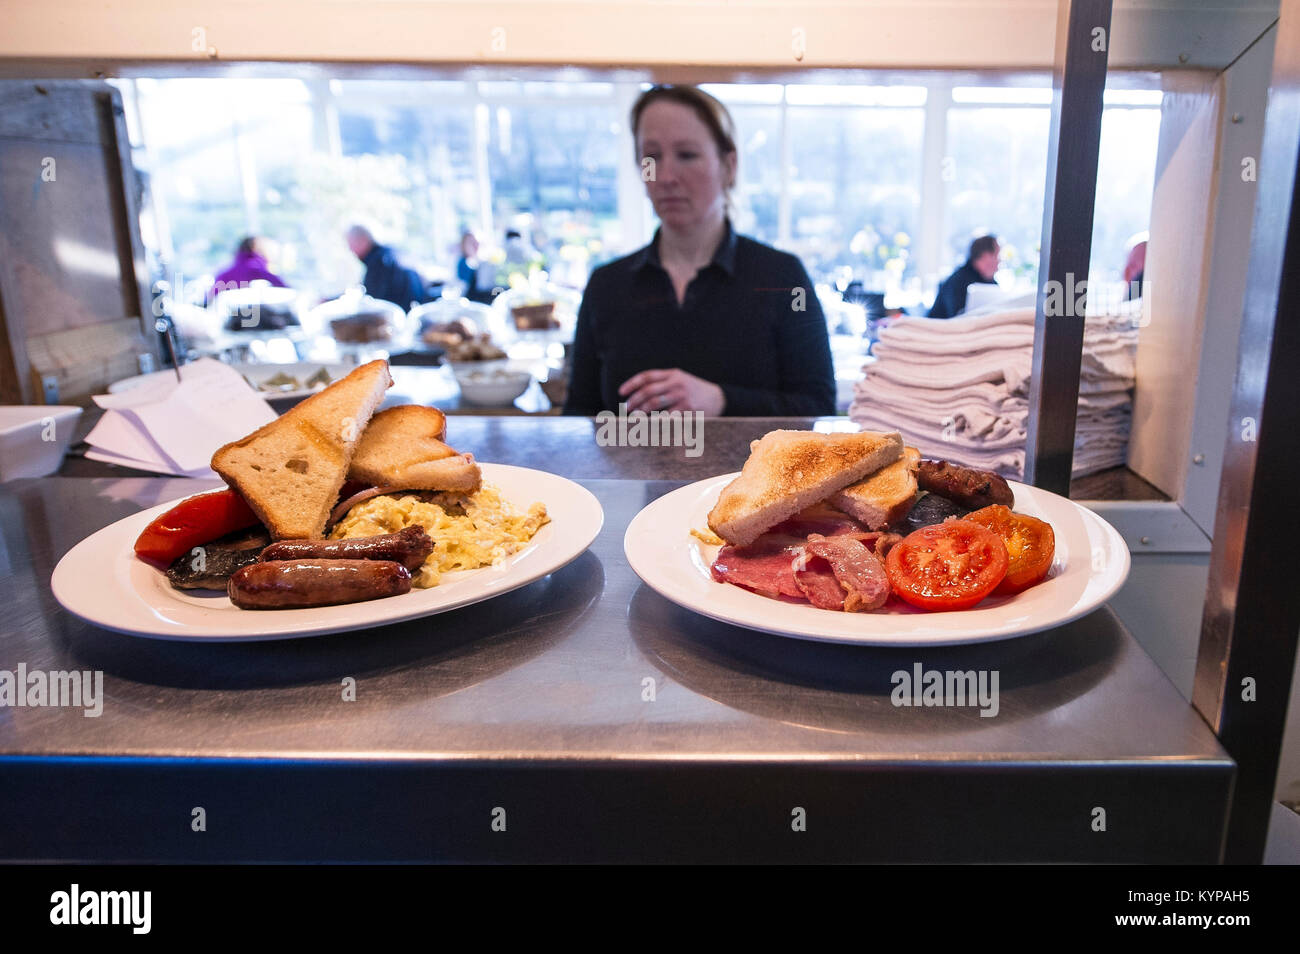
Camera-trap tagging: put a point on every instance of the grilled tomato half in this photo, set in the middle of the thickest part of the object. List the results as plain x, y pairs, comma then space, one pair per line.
1030, 543
947, 566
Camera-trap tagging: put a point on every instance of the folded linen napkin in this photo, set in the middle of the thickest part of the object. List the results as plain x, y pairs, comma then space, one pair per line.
174, 427
959, 388
1091, 452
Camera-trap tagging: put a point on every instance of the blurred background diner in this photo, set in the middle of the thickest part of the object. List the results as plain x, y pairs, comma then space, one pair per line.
249, 266
980, 267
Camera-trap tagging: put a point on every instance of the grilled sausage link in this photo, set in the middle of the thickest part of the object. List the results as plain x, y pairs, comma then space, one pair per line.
409, 547
968, 486
291, 584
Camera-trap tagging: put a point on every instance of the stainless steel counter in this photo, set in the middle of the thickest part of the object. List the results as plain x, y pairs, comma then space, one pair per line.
536, 708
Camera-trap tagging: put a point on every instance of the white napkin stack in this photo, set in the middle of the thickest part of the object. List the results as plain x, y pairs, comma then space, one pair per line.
959, 388
174, 427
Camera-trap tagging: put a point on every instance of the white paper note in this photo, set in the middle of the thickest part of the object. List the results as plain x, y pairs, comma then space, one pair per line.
175, 427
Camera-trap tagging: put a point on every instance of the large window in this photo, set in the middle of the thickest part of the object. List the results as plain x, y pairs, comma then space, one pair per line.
855, 197
848, 201
413, 141
554, 174
756, 111
994, 174
882, 184
224, 161
1126, 169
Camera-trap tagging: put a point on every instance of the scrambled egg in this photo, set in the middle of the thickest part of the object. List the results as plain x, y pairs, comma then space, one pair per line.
468, 530
708, 537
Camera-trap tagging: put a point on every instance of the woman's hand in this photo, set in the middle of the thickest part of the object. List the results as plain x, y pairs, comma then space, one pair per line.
672, 389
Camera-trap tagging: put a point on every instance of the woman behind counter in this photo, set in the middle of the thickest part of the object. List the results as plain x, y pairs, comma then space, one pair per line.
701, 319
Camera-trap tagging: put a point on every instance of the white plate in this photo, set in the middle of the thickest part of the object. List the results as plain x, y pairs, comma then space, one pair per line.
256, 373
101, 580
1090, 565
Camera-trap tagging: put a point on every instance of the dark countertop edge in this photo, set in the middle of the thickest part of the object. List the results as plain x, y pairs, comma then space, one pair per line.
920, 763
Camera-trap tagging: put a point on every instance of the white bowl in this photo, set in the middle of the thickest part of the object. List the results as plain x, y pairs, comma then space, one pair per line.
34, 438
498, 387
472, 367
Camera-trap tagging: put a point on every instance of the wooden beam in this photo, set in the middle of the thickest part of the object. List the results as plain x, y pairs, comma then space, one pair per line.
89, 35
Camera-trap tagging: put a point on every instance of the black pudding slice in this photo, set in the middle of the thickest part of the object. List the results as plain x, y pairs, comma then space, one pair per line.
212, 568
932, 509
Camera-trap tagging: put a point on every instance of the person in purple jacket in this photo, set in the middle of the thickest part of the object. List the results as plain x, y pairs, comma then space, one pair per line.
249, 265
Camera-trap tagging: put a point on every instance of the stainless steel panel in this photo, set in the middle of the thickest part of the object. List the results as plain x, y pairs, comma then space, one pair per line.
536, 702
1245, 91
1252, 612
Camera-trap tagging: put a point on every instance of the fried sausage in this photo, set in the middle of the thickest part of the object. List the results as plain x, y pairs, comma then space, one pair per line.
290, 584
409, 547
968, 486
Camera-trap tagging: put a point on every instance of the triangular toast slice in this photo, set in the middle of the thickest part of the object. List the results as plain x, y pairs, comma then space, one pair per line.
883, 498
790, 470
403, 448
290, 471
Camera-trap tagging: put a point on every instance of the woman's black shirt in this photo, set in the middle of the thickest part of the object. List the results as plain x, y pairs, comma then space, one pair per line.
750, 323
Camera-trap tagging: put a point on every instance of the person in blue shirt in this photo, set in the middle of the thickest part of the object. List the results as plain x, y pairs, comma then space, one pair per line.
470, 270
980, 267
385, 277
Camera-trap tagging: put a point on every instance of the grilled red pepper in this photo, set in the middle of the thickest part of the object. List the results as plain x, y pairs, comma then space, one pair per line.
194, 522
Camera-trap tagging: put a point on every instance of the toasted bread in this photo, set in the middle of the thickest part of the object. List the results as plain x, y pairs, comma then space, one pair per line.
788, 470
290, 471
403, 448
883, 498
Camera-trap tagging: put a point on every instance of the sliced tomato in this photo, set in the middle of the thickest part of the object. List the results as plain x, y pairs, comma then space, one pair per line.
948, 566
1030, 542
193, 522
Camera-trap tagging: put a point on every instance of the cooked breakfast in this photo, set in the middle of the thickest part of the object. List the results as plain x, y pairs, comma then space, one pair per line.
848, 521
334, 502
468, 530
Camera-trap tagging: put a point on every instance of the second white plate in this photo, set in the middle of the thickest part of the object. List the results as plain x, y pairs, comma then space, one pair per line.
1091, 564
